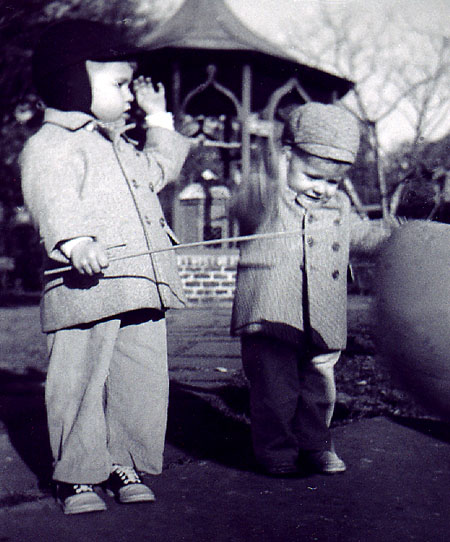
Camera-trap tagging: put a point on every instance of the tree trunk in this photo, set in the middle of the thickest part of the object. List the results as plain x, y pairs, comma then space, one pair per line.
381, 179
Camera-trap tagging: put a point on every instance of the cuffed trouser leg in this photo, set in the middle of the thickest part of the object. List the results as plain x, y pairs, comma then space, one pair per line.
106, 396
77, 372
316, 401
292, 397
271, 367
137, 393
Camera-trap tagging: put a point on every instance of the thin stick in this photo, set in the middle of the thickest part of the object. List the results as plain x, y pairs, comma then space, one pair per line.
188, 245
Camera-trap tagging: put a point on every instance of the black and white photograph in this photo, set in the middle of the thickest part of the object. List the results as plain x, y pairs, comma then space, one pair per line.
225, 270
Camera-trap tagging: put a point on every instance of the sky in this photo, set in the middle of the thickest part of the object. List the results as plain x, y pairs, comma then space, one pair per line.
430, 15
403, 28
406, 25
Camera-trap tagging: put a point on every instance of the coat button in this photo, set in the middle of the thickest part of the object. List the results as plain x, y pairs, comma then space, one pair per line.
335, 247
147, 219
311, 219
335, 274
134, 183
151, 186
310, 241
162, 222
337, 221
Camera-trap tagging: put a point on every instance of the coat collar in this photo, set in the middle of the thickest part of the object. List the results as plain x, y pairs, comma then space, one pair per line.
71, 120
76, 120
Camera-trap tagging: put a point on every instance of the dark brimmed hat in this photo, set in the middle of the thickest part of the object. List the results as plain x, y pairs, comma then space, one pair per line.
324, 130
59, 72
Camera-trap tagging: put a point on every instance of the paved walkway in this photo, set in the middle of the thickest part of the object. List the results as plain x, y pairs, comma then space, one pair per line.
397, 487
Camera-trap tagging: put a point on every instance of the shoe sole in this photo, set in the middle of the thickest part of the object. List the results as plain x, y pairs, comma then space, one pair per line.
136, 499
96, 505
131, 499
331, 471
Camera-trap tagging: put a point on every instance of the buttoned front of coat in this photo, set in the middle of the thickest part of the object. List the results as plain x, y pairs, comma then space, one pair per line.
326, 241
286, 286
77, 182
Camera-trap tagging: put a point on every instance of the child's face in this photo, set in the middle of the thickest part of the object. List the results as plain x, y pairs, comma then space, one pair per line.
111, 95
314, 179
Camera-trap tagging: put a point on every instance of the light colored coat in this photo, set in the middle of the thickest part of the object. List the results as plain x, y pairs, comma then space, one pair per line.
76, 182
283, 281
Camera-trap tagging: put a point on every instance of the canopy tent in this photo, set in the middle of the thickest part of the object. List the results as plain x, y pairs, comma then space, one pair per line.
207, 32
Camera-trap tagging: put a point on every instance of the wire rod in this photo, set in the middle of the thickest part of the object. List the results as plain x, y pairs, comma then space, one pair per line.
238, 238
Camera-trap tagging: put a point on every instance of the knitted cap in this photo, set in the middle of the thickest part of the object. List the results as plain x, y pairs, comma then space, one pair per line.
324, 130
59, 72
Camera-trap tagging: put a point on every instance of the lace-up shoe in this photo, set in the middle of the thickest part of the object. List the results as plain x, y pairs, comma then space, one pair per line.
79, 499
125, 484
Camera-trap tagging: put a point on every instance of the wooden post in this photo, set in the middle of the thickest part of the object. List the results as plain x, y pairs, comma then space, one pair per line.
245, 113
176, 92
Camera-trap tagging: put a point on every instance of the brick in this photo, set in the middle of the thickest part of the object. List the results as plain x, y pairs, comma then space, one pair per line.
208, 277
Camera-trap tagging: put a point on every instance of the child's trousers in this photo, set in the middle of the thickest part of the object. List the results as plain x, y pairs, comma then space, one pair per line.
292, 398
107, 396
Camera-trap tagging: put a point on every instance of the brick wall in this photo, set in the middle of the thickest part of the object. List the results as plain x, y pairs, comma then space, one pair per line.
208, 275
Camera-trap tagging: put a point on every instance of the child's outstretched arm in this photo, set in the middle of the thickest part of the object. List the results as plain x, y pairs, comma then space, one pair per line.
366, 236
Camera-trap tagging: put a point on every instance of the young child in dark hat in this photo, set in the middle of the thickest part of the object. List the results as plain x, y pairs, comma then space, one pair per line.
291, 293
93, 197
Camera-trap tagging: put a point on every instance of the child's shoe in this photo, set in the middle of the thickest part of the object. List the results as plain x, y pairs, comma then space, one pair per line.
79, 498
125, 484
325, 462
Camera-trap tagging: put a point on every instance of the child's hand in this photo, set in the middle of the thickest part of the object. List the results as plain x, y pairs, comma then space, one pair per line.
89, 257
149, 99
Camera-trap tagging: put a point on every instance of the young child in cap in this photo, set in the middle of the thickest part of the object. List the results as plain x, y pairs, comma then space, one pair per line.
291, 293
93, 197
